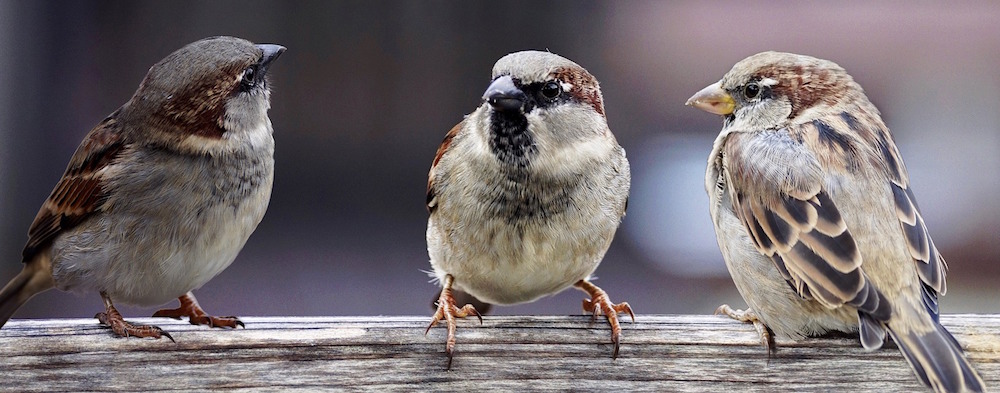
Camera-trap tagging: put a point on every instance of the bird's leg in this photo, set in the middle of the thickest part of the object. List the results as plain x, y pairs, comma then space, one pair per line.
190, 308
447, 310
598, 303
112, 318
749, 316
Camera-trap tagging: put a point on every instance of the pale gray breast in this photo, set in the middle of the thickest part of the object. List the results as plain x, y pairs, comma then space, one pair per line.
171, 185
169, 215
539, 199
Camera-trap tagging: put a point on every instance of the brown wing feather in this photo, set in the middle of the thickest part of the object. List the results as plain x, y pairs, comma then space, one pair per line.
778, 195
931, 266
445, 144
80, 192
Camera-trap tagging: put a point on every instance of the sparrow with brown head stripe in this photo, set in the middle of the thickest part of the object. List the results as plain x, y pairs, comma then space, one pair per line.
816, 217
161, 196
526, 193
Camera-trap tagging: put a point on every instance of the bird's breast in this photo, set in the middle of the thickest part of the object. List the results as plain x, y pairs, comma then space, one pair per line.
172, 223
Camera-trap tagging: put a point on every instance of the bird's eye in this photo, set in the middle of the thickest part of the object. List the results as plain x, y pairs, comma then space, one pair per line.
551, 90
249, 75
751, 90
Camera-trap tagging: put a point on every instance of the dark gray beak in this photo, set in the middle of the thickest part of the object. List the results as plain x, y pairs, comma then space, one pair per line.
271, 52
503, 95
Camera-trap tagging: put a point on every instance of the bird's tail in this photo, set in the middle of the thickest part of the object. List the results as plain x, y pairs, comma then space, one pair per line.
35, 277
938, 360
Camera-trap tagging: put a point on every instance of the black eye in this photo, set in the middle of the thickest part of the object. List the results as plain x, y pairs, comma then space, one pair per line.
751, 90
551, 90
249, 75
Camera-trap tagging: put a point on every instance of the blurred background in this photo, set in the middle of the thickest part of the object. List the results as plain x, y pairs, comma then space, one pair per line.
367, 90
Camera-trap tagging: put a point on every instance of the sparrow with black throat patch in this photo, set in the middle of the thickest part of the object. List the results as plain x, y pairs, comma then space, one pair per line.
161, 196
526, 193
816, 218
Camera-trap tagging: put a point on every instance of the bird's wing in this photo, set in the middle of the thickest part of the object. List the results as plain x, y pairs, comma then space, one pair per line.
441, 151
777, 190
81, 191
930, 265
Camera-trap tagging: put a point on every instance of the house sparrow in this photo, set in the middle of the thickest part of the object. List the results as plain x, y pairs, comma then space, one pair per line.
162, 194
816, 219
525, 194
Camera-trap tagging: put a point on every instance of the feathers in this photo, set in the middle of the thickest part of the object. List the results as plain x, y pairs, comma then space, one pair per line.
938, 360
35, 277
805, 235
525, 199
81, 191
161, 195
791, 159
442, 149
872, 332
930, 264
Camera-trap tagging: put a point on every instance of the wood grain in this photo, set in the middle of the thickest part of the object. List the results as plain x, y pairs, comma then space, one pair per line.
665, 353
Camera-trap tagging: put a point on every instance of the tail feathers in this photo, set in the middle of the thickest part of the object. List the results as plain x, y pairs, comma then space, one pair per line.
35, 277
938, 360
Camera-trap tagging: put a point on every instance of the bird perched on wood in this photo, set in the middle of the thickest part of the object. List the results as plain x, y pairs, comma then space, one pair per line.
816, 218
526, 193
161, 195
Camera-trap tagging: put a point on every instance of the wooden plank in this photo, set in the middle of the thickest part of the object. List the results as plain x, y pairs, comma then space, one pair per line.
658, 353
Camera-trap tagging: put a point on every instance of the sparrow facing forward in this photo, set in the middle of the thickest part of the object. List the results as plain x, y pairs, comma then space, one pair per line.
526, 193
816, 219
162, 194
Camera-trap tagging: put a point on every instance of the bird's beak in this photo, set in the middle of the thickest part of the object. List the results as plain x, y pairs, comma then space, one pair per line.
271, 52
713, 99
503, 95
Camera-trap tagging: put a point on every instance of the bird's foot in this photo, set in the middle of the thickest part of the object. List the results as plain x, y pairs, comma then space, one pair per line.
113, 319
749, 316
600, 303
448, 311
196, 315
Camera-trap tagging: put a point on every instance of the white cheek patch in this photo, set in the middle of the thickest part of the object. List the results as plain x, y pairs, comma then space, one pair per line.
763, 115
260, 136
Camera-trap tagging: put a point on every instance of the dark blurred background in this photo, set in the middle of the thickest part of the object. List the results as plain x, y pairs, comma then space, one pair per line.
367, 89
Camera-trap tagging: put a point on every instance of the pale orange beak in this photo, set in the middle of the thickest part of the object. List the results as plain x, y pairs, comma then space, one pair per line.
713, 99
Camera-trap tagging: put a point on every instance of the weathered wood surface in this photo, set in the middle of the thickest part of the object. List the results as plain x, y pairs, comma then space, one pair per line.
658, 353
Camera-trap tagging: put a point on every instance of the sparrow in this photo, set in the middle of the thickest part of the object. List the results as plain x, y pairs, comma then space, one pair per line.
162, 194
816, 218
525, 194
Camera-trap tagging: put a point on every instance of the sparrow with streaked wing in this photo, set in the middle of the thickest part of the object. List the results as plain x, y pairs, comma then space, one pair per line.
816, 218
161, 196
526, 193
